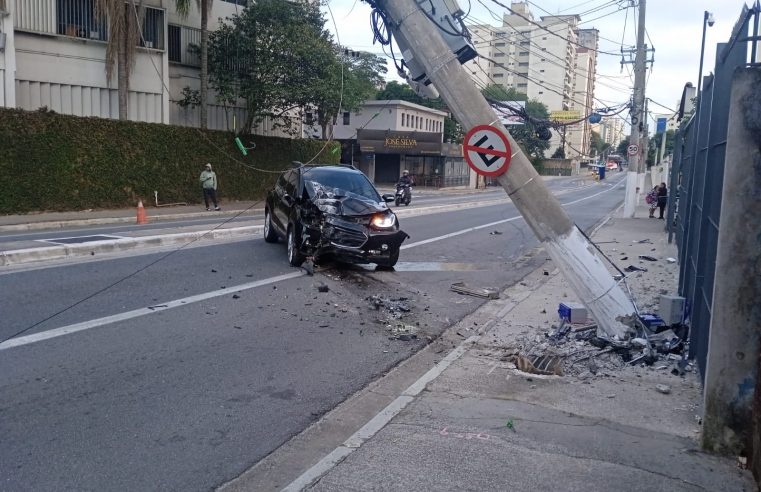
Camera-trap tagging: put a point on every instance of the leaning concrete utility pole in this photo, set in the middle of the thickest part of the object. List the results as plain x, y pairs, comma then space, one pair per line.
636, 174
574, 256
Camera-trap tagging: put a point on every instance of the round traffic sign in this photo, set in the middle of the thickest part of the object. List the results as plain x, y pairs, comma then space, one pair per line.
487, 150
633, 149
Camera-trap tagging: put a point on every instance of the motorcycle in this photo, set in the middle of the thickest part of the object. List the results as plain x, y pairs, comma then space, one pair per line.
403, 194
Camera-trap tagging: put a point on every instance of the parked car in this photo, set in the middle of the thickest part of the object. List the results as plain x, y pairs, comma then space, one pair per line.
332, 211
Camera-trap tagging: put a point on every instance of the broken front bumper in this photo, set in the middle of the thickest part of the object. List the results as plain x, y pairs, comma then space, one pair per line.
351, 241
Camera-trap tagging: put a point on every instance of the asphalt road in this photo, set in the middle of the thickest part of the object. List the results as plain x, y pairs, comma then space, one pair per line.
192, 394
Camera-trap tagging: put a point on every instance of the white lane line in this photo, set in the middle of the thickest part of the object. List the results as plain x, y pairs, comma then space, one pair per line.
86, 325
375, 424
490, 224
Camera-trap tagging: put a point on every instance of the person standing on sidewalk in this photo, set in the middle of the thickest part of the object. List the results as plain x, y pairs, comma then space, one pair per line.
209, 184
663, 196
652, 200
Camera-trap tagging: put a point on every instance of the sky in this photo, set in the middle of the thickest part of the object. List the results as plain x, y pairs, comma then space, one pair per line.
674, 28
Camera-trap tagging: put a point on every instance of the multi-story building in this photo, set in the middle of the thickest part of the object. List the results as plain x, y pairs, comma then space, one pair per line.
54, 56
549, 59
383, 138
611, 130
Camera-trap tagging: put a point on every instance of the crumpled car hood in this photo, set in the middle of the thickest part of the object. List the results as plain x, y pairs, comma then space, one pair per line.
335, 201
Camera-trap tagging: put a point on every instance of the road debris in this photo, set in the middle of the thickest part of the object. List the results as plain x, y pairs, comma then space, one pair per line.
663, 388
486, 293
632, 268
495, 233
322, 287
647, 258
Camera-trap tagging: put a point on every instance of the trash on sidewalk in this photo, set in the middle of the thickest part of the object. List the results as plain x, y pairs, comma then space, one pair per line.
322, 287
573, 312
486, 293
394, 307
647, 258
632, 268
671, 260
495, 233
643, 241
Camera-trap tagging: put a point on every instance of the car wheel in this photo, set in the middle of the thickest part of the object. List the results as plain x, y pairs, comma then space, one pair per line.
295, 258
269, 233
390, 262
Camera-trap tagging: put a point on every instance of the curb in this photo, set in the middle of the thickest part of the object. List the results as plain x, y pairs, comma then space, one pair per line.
19, 256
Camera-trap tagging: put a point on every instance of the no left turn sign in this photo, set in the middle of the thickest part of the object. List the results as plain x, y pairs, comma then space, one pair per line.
633, 149
487, 150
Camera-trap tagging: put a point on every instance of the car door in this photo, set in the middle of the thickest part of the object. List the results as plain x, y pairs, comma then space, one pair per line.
279, 202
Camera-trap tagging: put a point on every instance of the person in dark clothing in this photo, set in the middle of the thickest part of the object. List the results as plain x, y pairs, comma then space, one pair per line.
663, 196
406, 179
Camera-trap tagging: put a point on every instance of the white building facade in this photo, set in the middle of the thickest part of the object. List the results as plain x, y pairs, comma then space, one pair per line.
550, 60
54, 56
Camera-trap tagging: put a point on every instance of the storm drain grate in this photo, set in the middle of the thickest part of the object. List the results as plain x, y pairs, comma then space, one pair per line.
80, 239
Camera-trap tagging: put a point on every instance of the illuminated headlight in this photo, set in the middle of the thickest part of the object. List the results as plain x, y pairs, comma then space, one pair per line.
383, 221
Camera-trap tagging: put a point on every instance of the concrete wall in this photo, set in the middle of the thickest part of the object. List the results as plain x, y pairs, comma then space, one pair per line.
735, 335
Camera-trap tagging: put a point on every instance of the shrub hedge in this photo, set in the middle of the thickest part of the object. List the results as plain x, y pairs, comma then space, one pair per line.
56, 162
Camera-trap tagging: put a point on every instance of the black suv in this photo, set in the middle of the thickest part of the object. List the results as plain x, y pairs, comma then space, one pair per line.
334, 211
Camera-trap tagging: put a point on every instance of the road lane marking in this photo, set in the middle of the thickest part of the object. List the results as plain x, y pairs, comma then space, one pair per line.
375, 424
491, 224
86, 325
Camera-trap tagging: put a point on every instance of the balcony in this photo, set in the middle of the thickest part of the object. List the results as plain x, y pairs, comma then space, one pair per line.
77, 19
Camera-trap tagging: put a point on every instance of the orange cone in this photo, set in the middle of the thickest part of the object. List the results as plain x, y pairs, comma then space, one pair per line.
141, 217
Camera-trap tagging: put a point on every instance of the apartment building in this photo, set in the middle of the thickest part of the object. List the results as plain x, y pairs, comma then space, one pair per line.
54, 54
611, 130
551, 60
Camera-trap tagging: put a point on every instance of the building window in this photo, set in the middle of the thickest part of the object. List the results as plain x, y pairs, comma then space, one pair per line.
523, 53
499, 45
541, 71
184, 43
153, 29
77, 18
499, 54
347, 118
498, 75
309, 118
523, 64
541, 92
524, 43
522, 86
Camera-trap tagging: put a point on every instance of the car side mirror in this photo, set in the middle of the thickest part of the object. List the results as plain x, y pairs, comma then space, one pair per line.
388, 197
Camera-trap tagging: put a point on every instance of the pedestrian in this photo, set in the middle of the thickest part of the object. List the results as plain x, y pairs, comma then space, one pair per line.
663, 196
209, 184
652, 200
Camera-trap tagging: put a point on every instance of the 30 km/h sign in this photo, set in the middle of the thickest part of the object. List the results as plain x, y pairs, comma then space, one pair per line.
633, 149
487, 150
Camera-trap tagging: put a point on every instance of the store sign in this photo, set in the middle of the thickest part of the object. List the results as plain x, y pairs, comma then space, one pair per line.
571, 115
396, 142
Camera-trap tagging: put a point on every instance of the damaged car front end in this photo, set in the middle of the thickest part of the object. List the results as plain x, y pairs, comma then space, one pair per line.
333, 212
348, 226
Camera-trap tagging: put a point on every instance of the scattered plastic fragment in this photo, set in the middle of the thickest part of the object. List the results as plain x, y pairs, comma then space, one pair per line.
663, 388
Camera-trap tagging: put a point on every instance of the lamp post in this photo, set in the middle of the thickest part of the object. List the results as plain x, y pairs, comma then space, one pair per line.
708, 20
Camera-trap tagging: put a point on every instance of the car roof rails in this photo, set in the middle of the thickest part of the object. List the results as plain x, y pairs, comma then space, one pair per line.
298, 164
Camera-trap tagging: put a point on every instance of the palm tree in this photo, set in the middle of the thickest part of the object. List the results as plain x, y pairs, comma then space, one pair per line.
183, 8
123, 36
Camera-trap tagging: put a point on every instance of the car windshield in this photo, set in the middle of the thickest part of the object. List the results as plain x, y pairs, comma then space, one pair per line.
352, 182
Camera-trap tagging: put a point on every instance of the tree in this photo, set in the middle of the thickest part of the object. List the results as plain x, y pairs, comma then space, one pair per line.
598, 145
623, 146
183, 9
394, 90
362, 75
559, 153
122, 20
272, 56
526, 134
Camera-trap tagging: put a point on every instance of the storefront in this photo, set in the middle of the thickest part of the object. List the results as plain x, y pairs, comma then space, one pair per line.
385, 154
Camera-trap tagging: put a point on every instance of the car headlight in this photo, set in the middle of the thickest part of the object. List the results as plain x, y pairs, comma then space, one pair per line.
383, 221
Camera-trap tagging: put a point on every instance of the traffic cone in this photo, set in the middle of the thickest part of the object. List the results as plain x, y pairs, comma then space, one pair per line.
141, 217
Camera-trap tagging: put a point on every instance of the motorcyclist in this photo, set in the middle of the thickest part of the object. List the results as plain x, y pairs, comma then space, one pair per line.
405, 179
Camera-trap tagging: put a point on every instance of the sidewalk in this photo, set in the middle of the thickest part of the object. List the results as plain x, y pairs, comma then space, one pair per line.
482, 424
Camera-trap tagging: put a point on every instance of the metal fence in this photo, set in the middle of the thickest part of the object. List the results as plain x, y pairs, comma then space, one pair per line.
697, 177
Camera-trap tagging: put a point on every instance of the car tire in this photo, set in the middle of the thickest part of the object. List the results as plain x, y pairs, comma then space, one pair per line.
269, 233
390, 262
295, 258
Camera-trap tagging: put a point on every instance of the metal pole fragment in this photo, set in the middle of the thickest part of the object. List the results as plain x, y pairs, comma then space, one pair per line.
574, 256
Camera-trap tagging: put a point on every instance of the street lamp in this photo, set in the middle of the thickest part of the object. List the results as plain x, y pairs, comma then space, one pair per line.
708, 20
